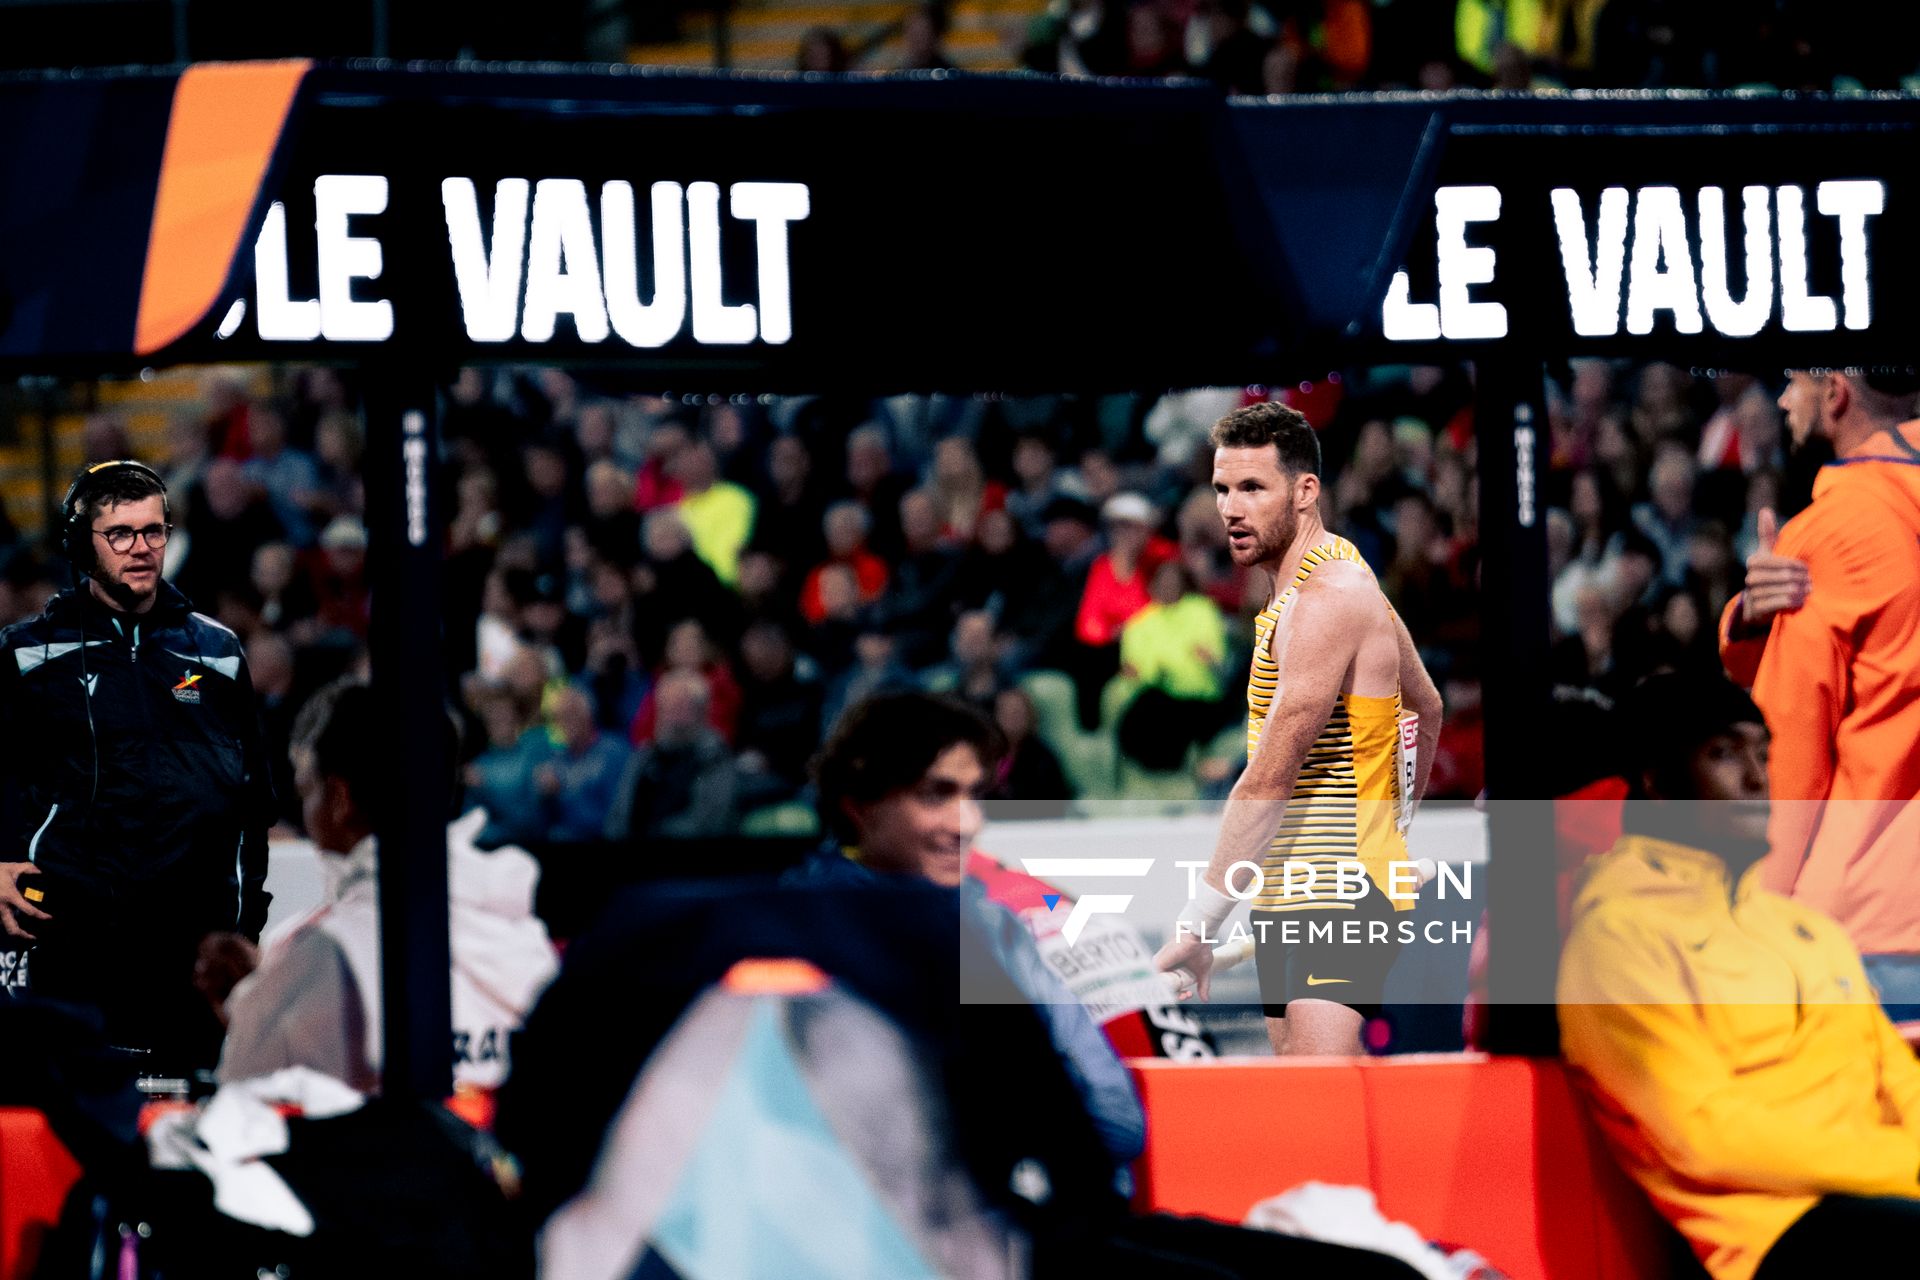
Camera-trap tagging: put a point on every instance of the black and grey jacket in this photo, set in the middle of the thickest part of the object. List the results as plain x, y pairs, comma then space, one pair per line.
132, 759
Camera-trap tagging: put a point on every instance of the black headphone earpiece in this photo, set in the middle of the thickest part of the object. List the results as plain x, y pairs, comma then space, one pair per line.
76, 537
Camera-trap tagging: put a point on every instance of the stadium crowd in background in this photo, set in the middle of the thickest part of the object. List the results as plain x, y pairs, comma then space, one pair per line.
1341, 46
656, 608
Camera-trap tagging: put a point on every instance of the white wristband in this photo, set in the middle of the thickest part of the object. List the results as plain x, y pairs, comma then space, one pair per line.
1203, 915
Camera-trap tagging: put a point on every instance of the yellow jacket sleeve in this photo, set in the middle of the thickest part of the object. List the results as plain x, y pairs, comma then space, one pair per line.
1629, 1026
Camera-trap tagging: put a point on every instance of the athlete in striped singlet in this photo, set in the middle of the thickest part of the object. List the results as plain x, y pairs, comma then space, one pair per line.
1321, 793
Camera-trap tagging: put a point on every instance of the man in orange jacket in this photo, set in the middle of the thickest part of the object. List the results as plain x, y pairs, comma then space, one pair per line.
1827, 635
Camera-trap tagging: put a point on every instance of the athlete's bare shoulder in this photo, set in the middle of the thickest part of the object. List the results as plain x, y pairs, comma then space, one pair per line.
1342, 585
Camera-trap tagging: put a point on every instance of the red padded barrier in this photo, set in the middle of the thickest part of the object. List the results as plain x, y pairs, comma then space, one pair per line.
1491, 1153
35, 1175
1225, 1134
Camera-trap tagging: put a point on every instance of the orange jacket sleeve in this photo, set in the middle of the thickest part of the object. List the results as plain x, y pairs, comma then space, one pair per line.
1739, 654
1862, 562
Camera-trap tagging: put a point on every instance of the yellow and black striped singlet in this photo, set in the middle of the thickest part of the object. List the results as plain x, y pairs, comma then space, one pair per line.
1345, 803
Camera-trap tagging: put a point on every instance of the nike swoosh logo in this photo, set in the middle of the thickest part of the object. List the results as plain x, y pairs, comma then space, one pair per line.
1321, 982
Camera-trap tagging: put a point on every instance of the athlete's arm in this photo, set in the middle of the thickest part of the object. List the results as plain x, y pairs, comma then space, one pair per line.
1421, 696
1331, 617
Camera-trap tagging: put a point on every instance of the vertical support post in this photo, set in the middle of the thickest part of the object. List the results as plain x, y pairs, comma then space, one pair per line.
1523, 944
409, 680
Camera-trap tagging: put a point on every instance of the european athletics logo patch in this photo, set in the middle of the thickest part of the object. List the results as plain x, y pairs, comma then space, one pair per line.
185, 691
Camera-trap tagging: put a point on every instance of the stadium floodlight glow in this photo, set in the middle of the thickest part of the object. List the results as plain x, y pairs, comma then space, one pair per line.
563, 272
1748, 316
1853, 202
1463, 265
345, 257
1661, 277
655, 323
488, 278
280, 319
1593, 295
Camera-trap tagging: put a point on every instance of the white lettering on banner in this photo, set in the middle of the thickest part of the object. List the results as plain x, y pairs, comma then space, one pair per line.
563, 272
1462, 265
1639, 248
487, 274
345, 257
1662, 275
281, 319
543, 257
655, 323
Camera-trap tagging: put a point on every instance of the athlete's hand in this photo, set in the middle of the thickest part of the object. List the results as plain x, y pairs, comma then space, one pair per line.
1776, 584
13, 906
1195, 957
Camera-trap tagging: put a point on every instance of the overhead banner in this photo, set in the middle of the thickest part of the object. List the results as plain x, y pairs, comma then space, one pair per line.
789, 233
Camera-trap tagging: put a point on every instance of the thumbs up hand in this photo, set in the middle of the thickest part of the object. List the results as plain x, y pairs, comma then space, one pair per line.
1776, 584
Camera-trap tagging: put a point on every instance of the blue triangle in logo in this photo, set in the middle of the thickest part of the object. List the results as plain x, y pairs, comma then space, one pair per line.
1051, 899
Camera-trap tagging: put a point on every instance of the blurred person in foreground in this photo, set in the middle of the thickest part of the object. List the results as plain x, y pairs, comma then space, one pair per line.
899, 785
1726, 1037
134, 783
1827, 635
315, 1000
1333, 669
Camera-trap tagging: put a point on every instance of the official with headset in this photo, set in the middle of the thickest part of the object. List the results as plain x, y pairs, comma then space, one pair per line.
135, 779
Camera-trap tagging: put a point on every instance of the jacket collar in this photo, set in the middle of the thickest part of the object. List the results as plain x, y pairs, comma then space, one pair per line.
76, 604
1690, 866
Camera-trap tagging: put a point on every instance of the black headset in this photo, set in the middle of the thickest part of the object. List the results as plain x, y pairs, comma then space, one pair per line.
76, 532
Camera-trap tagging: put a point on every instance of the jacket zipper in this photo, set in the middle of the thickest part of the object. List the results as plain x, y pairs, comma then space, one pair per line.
33, 846
239, 879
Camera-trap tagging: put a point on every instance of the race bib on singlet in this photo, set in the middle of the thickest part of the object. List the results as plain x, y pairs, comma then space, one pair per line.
1407, 755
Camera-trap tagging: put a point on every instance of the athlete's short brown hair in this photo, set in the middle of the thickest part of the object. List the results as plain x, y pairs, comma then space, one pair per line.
1279, 425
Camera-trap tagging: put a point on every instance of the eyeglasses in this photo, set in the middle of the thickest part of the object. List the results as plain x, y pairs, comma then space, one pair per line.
120, 537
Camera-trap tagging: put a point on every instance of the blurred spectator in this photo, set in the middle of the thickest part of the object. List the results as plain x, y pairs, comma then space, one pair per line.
876, 668
581, 782
972, 672
501, 779
919, 603
718, 513
779, 705
683, 783
921, 34
1037, 474
874, 485
224, 392
613, 526
286, 599
103, 438
550, 507
1667, 516
1030, 770
288, 476
1001, 570
1459, 758
1116, 590
960, 490
1234, 54
657, 485
1177, 642
1174, 648
788, 515
1744, 431
228, 520
1153, 43
846, 525
338, 574
675, 583
1044, 621
690, 652
831, 639
337, 446
270, 661
821, 50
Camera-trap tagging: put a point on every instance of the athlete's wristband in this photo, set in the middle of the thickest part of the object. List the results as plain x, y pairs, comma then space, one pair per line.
1203, 915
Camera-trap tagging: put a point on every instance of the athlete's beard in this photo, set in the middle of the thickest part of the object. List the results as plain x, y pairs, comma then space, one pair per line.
1268, 550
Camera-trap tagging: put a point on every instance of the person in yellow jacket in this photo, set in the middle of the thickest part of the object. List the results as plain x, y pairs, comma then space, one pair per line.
1731, 1048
